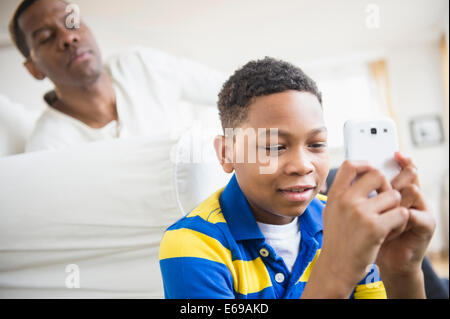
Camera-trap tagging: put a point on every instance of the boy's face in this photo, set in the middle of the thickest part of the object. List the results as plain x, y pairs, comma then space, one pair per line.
300, 154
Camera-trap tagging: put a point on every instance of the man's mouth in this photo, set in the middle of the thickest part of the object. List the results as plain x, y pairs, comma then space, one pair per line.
78, 56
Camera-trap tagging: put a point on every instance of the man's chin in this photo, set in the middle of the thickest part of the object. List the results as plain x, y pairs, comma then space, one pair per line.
85, 75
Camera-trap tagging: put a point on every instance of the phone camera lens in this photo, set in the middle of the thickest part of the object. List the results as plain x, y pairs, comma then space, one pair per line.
373, 130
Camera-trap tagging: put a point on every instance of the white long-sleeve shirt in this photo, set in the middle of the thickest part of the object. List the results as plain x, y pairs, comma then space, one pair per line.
150, 86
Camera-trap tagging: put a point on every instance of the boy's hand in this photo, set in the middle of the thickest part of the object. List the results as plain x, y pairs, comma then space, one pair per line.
355, 227
401, 255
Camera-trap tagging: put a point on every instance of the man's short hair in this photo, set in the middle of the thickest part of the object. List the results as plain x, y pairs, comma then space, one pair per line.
257, 78
17, 35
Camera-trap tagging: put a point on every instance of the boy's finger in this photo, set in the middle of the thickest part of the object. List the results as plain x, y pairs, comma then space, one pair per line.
348, 172
412, 198
384, 201
370, 181
406, 164
407, 176
402, 160
423, 222
394, 221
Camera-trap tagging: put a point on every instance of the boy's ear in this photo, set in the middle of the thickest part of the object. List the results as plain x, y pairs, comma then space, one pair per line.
221, 152
33, 69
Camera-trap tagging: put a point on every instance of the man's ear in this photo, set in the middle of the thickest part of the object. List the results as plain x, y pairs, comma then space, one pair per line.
33, 69
222, 154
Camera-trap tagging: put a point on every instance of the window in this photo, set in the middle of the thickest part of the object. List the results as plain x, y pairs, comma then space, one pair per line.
348, 91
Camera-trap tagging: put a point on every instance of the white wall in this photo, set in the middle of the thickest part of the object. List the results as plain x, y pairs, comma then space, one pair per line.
226, 34
417, 90
17, 84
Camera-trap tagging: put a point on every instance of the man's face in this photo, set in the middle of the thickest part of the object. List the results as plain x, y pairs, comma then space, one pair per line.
300, 154
67, 56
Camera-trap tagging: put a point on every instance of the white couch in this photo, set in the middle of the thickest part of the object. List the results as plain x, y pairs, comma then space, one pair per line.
92, 216
16, 124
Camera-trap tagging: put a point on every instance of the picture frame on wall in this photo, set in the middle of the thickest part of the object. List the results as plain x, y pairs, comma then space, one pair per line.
426, 130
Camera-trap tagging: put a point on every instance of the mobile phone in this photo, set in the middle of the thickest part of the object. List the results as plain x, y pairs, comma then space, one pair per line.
374, 141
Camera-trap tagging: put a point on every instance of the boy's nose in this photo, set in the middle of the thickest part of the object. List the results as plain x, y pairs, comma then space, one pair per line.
299, 164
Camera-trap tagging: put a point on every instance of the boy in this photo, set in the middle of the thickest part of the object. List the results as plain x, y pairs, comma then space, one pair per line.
270, 235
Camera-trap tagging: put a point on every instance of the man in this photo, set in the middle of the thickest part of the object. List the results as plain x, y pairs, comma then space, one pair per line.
137, 93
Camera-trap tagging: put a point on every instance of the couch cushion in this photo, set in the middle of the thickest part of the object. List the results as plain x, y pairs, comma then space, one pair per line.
101, 206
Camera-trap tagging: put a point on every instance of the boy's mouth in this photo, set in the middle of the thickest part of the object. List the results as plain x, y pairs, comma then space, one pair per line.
298, 193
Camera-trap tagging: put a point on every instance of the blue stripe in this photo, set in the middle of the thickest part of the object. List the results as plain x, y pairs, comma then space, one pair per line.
197, 223
237, 212
196, 278
372, 276
266, 293
220, 232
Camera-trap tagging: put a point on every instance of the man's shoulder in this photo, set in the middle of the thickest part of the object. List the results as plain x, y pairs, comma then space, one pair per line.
139, 56
51, 116
47, 131
44, 126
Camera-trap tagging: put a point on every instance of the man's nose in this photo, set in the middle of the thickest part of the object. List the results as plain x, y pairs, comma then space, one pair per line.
299, 164
68, 38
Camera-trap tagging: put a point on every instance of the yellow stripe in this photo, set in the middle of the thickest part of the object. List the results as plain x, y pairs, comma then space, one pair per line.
305, 276
209, 209
252, 276
373, 290
190, 243
248, 276
322, 197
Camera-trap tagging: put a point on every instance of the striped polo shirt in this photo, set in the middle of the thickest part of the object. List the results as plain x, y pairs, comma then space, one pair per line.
218, 251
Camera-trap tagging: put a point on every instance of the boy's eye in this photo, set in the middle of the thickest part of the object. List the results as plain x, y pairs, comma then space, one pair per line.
275, 148
318, 145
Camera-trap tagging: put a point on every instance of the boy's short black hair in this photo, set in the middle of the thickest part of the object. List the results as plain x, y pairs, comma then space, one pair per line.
257, 78
17, 35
